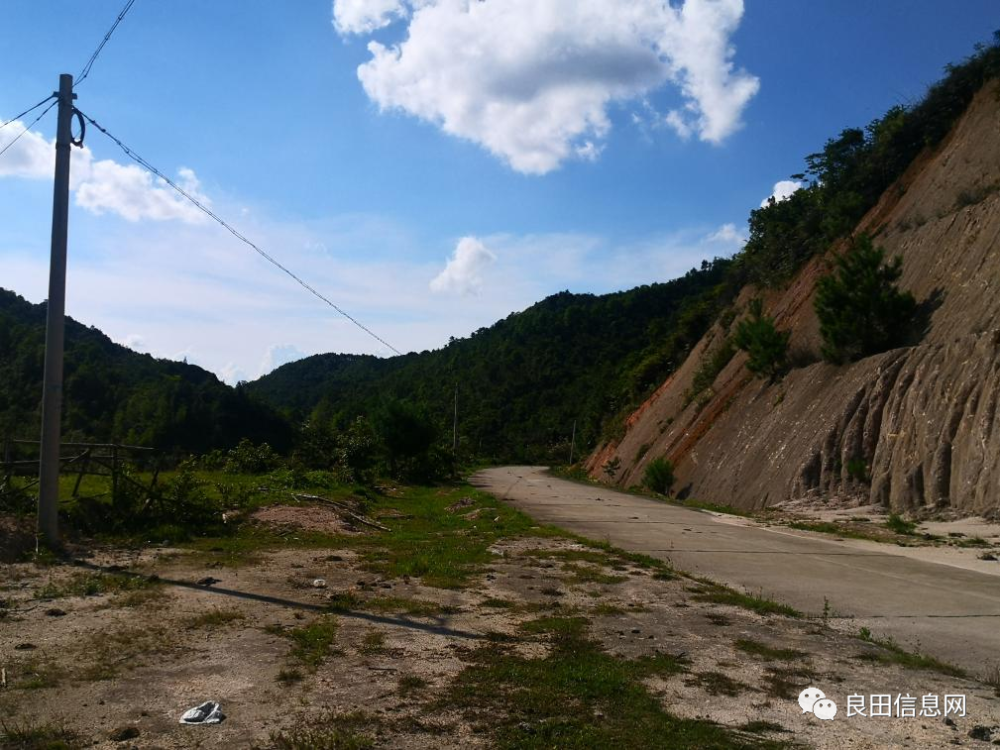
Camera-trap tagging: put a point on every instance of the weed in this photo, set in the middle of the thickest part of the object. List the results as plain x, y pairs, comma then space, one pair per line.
94, 584
716, 683
892, 653
719, 594
410, 684
497, 603
900, 525
608, 610
35, 737
577, 696
216, 618
786, 682
756, 648
580, 574
373, 643
313, 643
290, 676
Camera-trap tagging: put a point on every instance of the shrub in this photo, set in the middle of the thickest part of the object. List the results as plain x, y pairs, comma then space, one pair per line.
247, 458
766, 346
861, 311
659, 475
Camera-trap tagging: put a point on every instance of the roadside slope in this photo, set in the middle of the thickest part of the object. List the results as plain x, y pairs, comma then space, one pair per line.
923, 421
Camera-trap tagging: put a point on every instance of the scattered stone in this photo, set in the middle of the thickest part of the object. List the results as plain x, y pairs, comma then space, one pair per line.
123, 734
983, 733
25, 647
55, 612
949, 722
319, 583
465, 502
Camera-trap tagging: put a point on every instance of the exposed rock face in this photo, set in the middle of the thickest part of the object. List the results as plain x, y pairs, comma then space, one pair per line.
916, 429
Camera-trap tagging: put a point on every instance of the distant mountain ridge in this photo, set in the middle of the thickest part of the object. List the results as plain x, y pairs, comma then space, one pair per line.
114, 393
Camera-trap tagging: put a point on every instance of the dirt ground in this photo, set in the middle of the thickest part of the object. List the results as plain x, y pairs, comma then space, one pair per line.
111, 649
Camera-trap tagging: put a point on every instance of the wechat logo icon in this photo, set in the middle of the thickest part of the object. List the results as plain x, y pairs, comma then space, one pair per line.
813, 700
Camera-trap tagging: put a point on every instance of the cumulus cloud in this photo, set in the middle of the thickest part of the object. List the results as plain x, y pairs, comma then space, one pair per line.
728, 234
783, 190
132, 193
103, 186
136, 342
532, 81
278, 355
365, 16
32, 156
464, 272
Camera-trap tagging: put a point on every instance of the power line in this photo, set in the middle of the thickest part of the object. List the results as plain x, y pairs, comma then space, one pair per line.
93, 58
33, 123
27, 111
232, 230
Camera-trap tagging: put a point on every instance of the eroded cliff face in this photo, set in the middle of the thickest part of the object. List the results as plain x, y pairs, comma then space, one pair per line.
917, 428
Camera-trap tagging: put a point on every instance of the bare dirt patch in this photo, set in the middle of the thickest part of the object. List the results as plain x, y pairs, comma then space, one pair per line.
392, 662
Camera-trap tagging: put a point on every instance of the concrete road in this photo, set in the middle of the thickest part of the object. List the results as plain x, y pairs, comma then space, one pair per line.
948, 612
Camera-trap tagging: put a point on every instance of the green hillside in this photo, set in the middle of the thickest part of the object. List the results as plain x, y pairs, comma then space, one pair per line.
114, 393
523, 381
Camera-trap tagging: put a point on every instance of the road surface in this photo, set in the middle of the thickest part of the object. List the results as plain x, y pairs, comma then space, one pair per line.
946, 611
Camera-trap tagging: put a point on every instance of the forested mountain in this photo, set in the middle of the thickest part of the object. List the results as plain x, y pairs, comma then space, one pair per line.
522, 382
114, 393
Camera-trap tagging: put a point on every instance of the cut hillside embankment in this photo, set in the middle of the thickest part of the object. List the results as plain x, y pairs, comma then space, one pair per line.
915, 428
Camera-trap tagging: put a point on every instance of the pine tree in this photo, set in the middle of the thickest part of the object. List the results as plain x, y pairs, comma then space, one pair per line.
860, 308
766, 346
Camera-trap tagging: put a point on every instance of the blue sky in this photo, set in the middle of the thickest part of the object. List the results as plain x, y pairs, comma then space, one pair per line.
467, 167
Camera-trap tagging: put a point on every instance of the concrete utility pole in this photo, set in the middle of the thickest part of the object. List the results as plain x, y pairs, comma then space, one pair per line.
48, 473
572, 443
454, 426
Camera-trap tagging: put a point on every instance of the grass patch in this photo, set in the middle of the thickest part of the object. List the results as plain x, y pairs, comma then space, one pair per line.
410, 684
717, 683
112, 652
313, 643
719, 594
373, 643
900, 525
332, 733
14, 736
94, 584
33, 675
608, 610
580, 574
498, 603
442, 548
216, 618
892, 653
577, 696
763, 651
290, 676
406, 606
829, 527
786, 682
762, 727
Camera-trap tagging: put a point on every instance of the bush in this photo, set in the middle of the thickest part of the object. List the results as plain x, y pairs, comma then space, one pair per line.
659, 476
861, 311
247, 458
766, 346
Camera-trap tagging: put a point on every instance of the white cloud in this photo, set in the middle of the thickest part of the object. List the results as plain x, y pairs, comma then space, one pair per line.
135, 342
103, 186
132, 193
364, 16
231, 373
464, 272
783, 190
699, 51
278, 355
532, 81
728, 234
